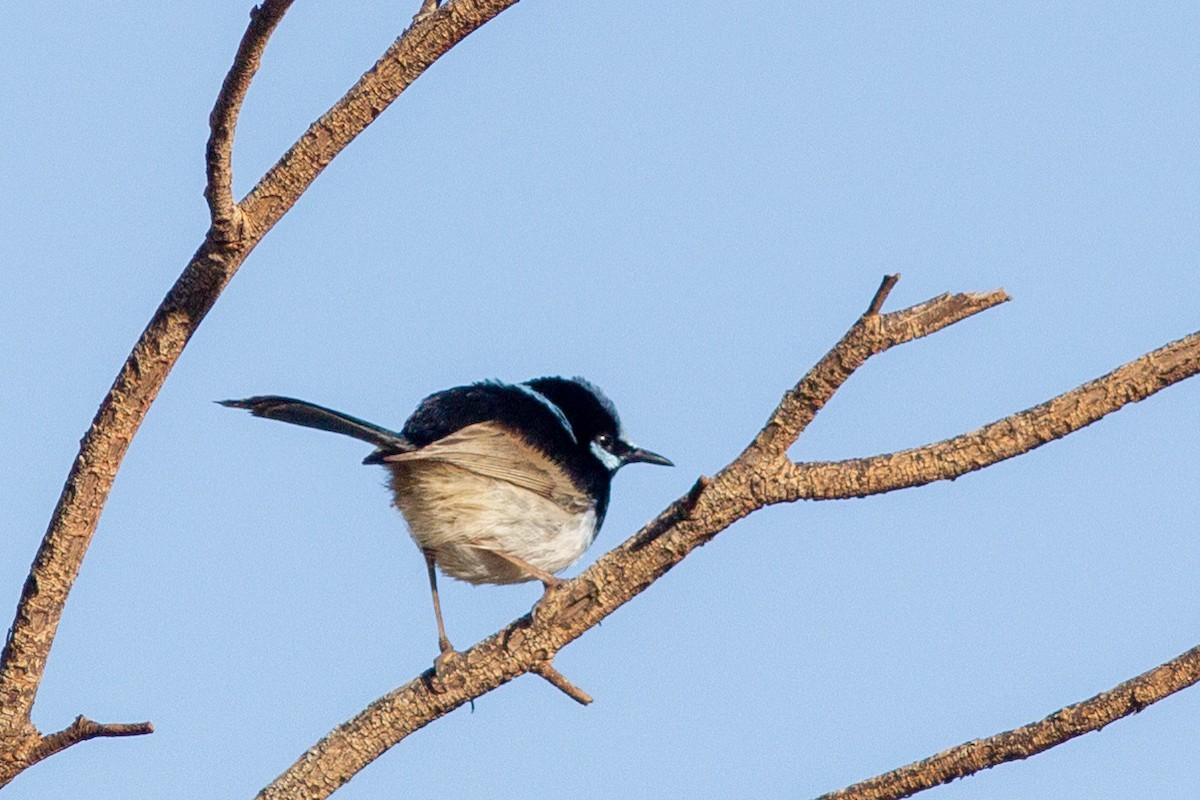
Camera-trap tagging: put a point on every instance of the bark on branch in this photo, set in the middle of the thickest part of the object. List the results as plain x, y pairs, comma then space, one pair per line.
83, 729
1123, 700
236, 229
760, 476
225, 213
1003, 439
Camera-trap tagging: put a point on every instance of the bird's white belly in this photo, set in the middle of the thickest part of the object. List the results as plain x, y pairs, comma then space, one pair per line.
463, 517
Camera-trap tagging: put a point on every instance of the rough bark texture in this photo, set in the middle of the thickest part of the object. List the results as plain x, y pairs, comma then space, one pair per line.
236, 230
762, 475
1003, 439
1028, 740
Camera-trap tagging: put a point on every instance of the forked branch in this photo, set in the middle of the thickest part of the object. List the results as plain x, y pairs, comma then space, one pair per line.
236, 228
218, 157
1003, 439
871, 335
761, 475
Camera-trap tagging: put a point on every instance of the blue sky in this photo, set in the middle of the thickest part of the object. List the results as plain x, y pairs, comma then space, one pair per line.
688, 204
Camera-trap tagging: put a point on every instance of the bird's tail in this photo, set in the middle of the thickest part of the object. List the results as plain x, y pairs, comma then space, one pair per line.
310, 415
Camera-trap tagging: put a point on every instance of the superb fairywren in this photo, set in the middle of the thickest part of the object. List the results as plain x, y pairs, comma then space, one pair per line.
499, 483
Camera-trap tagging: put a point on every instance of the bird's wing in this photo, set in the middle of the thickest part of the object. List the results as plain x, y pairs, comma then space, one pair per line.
487, 449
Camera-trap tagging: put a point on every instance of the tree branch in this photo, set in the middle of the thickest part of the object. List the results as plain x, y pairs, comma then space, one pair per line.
429, 38
530, 643
759, 476
1122, 700
1003, 439
881, 294
225, 213
559, 681
83, 729
210, 269
871, 335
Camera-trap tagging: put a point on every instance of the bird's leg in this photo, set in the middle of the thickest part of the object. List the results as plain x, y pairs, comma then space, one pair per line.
443, 662
548, 580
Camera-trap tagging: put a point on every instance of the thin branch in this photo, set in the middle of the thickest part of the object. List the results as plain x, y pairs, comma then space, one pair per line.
218, 191
870, 336
58, 560
1000, 440
1122, 700
559, 681
83, 729
881, 294
429, 38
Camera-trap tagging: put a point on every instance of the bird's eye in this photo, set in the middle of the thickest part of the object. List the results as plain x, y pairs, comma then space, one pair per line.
605, 441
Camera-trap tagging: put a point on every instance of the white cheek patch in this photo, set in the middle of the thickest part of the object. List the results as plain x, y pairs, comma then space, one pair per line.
611, 462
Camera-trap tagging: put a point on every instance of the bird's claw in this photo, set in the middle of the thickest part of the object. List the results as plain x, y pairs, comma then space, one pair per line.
550, 585
446, 669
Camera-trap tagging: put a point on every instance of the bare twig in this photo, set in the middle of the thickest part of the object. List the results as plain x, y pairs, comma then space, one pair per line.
1122, 700
74, 520
83, 729
881, 294
226, 215
559, 681
429, 38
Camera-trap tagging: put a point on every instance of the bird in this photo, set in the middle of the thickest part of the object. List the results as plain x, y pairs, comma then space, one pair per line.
498, 482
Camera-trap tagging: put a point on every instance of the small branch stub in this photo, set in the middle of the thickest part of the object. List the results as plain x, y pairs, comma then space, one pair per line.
881, 295
83, 729
559, 681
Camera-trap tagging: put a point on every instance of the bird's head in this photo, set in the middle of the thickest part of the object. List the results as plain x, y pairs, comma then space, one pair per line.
593, 421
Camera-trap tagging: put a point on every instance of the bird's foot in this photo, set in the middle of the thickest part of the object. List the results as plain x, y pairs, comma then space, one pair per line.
446, 669
550, 583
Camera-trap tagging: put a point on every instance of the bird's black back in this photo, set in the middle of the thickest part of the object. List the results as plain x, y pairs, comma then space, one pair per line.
563, 436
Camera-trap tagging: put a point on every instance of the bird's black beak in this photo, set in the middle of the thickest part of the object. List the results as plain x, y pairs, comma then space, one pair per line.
638, 455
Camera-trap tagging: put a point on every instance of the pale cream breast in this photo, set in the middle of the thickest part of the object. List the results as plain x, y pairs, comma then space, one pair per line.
481, 490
